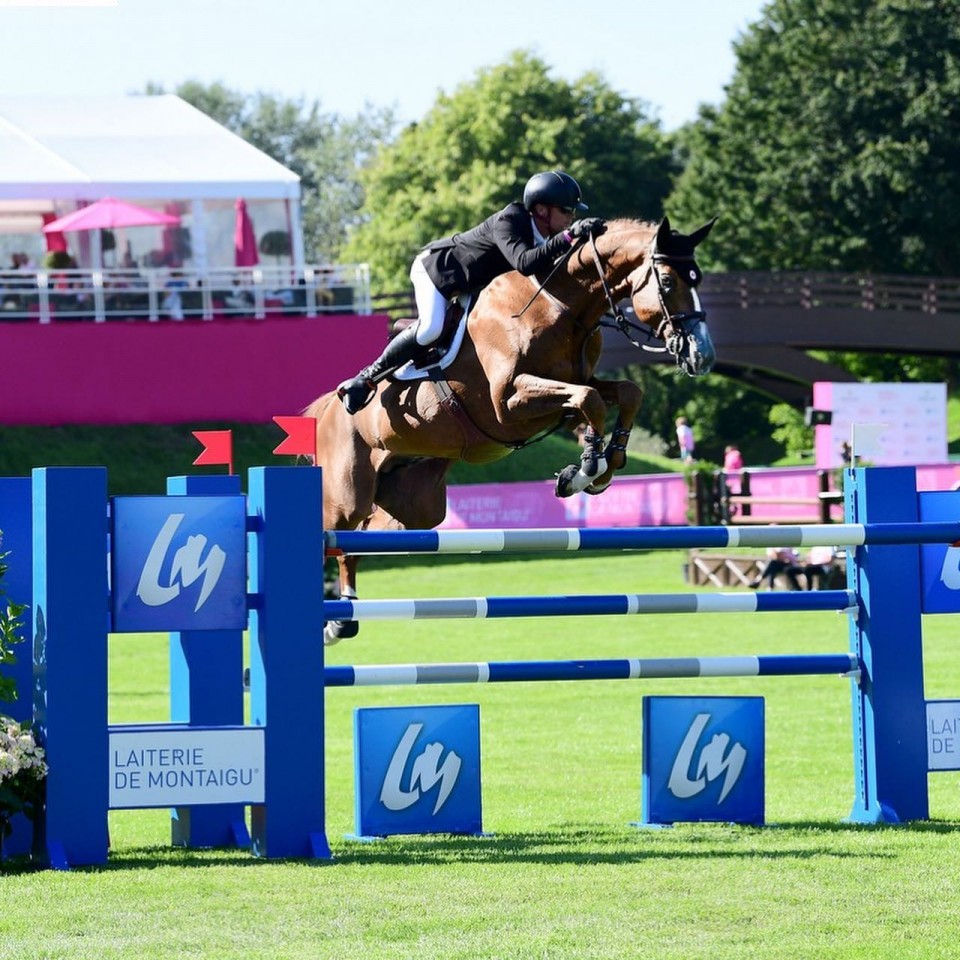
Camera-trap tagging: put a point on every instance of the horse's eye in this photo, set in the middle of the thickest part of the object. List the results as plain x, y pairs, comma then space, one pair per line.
667, 283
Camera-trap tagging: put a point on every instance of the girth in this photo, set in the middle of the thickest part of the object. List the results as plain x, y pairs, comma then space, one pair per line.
450, 403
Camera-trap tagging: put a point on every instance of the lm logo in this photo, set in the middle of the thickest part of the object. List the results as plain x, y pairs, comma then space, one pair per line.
950, 571
715, 761
426, 772
188, 566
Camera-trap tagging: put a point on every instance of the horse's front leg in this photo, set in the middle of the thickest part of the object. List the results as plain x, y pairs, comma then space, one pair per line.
627, 397
536, 397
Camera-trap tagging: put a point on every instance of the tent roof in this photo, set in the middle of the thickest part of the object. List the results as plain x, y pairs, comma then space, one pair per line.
136, 147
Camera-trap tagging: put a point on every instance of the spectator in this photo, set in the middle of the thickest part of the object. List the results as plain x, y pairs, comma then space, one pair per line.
732, 465
732, 458
819, 567
685, 440
846, 454
172, 302
783, 560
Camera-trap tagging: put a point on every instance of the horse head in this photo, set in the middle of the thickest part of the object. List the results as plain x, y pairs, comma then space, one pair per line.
664, 296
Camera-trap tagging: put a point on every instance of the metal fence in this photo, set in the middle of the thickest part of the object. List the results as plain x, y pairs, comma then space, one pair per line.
100, 295
44, 296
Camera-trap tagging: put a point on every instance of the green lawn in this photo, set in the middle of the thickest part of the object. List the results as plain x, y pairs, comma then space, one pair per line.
563, 875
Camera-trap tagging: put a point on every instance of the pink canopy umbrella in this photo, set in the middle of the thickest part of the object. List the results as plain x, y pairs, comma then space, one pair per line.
108, 213
244, 239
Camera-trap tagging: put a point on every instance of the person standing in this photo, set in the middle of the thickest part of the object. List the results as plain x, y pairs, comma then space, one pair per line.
685, 439
732, 458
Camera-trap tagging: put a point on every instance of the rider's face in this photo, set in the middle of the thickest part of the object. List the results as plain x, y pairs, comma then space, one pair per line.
551, 220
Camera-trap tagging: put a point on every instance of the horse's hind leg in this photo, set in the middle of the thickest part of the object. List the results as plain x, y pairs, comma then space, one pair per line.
349, 482
410, 496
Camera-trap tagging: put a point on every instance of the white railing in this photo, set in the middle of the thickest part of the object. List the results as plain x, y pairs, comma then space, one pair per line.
43, 296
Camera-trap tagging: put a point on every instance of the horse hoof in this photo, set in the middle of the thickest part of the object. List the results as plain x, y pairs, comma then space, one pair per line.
596, 488
337, 630
564, 487
572, 478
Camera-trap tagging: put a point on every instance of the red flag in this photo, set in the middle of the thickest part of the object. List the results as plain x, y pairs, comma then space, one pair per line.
301, 436
217, 448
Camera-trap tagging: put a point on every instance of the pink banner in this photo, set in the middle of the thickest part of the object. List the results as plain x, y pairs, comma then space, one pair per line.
635, 501
647, 501
237, 370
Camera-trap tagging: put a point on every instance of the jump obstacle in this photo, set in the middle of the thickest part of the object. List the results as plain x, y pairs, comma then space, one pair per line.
75, 604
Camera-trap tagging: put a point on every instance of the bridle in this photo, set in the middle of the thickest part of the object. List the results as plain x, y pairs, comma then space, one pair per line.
675, 329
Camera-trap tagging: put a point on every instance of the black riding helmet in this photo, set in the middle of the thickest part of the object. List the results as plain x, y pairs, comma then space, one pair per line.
555, 189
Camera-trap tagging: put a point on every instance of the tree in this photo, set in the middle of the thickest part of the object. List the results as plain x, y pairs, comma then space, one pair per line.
836, 146
475, 149
325, 150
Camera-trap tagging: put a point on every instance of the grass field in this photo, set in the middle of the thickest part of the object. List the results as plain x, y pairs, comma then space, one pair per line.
563, 875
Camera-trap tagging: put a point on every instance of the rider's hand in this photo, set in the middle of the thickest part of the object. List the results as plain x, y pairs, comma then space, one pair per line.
587, 227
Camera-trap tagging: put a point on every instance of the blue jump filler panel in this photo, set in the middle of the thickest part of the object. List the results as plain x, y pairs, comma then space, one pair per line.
703, 760
940, 562
417, 770
179, 563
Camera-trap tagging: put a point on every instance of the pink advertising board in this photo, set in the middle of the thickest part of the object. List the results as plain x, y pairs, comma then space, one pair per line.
640, 501
237, 370
891, 424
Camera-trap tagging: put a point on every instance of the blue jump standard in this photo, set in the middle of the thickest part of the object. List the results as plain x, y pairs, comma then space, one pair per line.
535, 540
479, 608
405, 674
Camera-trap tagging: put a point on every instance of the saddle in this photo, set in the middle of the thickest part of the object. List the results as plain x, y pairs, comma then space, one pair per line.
444, 351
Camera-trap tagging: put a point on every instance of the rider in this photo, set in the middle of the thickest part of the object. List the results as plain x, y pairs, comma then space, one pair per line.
523, 236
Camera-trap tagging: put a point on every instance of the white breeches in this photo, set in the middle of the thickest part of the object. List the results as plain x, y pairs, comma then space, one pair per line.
431, 305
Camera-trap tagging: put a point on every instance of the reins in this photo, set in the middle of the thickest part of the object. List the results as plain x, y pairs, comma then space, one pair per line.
560, 262
620, 322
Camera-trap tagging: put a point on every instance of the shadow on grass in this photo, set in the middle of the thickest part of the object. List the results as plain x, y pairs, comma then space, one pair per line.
573, 845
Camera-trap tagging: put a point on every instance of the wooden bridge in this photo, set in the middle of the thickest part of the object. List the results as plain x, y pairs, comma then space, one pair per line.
763, 324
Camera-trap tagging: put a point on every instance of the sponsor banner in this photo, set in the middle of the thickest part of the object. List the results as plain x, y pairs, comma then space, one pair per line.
703, 759
891, 424
943, 734
417, 770
179, 563
940, 562
176, 766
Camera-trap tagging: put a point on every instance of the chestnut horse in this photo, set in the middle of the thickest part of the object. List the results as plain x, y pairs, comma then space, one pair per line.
524, 368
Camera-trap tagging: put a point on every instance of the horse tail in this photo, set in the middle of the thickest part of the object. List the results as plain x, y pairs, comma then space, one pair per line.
319, 406
317, 409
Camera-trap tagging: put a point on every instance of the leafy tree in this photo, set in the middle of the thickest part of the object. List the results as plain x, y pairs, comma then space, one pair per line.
325, 150
475, 149
720, 410
835, 150
836, 146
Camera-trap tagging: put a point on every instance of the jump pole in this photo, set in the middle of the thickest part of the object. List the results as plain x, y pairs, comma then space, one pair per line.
525, 671
553, 540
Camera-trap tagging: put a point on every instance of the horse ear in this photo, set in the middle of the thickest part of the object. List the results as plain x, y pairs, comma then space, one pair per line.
700, 235
662, 239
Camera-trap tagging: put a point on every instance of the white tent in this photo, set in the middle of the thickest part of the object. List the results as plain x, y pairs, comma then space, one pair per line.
58, 153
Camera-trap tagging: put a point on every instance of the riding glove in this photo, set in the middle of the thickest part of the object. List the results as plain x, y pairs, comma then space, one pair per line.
587, 227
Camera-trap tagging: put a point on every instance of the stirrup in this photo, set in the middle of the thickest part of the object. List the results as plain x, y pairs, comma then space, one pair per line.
351, 396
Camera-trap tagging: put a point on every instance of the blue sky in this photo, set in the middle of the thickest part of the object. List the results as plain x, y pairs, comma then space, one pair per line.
384, 52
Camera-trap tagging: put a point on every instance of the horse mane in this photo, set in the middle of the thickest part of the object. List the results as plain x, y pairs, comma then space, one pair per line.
631, 238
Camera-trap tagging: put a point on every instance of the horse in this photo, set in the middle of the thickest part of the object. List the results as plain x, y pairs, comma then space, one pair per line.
524, 368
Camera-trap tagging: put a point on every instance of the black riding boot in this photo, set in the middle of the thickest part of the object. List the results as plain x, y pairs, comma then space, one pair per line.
358, 392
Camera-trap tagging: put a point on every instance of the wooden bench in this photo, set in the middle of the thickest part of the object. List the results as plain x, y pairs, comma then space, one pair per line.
705, 568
